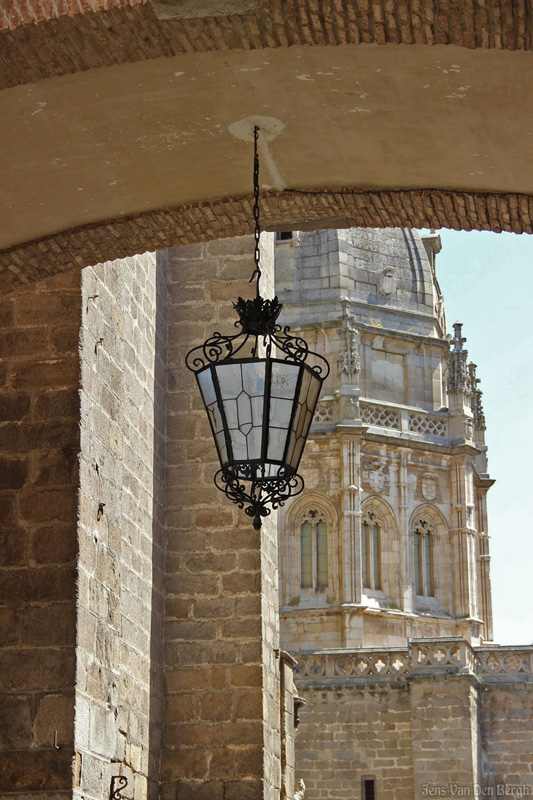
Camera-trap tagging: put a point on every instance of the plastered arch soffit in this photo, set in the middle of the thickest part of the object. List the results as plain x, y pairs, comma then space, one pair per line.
109, 106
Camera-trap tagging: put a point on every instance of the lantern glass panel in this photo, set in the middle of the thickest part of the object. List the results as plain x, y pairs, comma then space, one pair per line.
205, 382
307, 399
284, 379
242, 386
229, 377
254, 378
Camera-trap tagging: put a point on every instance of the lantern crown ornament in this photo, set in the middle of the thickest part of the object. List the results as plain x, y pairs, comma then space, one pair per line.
260, 387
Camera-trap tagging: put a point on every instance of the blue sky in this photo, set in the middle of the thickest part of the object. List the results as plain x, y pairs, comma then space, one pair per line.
487, 282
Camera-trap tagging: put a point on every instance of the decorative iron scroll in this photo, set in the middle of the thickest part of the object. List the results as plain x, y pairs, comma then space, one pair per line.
275, 491
257, 320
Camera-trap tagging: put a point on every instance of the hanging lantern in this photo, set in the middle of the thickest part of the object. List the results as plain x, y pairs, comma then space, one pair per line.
260, 388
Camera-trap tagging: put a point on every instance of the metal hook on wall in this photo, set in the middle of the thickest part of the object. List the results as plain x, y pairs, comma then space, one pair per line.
118, 782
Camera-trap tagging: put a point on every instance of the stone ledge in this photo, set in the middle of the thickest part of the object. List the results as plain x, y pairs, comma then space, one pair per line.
423, 657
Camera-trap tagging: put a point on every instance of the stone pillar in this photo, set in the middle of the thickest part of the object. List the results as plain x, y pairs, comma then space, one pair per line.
463, 540
445, 734
222, 717
119, 611
39, 444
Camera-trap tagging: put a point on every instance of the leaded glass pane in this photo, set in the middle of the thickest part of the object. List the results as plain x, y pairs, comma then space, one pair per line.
257, 411
364, 553
230, 410
276, 443
306, 552
376, 557
284, 379
229, 380
322, 554
417, 560
279, 422
427, 556
254, 378
205, 382
244, 408
221, 445
238, 445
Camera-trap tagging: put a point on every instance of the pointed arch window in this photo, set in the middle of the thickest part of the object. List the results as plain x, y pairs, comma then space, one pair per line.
314, 550
423, 544
371, 544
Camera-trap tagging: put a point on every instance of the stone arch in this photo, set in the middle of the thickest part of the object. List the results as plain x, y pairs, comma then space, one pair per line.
441, 554
104, 198
390, 545
290, 544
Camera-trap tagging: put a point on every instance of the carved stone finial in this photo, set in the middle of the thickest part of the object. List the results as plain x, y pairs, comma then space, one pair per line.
476, 403
459, 375
457, 340
300, 790
348, 361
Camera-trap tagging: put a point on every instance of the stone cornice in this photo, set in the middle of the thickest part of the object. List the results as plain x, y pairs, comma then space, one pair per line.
422, 657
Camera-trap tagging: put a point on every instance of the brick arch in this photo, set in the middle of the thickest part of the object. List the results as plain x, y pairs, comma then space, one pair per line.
71, 41
119, 31
169, 227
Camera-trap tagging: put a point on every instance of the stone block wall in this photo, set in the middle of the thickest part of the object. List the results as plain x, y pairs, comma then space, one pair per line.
106, 470
348, 733
222, 717
506, 717
118, 691
445, 732
428, 722
39, 444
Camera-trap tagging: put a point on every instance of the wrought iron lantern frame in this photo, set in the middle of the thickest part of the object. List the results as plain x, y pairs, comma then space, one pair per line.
260, 388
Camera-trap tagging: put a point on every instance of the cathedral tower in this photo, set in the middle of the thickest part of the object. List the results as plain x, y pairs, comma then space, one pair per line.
388, 541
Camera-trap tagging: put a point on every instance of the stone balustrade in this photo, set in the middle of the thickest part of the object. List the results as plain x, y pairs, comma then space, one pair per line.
413, 421
403, 419
491, 663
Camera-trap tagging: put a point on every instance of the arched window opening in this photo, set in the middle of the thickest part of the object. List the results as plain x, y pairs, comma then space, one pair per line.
371, 551
423, 558
314, 551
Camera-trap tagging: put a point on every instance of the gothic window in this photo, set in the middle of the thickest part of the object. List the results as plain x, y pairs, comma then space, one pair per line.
313, 550
371, 550
423, 538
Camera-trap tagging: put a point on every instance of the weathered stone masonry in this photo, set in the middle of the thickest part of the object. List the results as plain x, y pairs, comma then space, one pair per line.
438, 714
39, 445
222, 717
138, 607
118, 681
